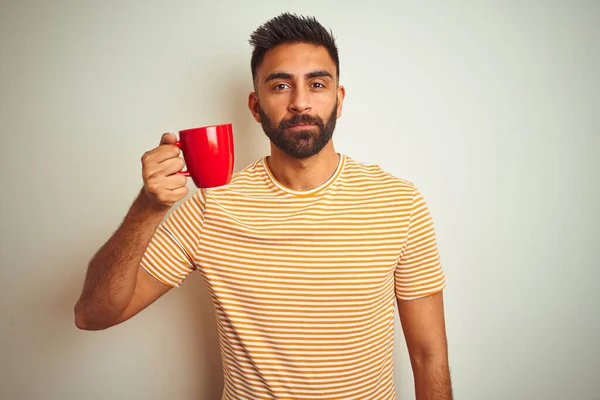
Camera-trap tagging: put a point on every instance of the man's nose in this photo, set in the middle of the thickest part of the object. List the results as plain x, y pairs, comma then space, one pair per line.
300, 102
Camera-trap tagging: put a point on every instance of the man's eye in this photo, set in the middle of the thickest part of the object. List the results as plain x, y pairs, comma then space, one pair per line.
320, 85
280, 86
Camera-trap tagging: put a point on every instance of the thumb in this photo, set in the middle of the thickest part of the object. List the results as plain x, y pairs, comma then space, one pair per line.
168, 138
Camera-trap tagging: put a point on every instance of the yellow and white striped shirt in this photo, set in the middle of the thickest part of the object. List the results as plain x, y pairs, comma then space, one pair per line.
304, 283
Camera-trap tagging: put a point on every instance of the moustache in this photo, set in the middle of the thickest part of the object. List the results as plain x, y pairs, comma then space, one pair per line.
301, 119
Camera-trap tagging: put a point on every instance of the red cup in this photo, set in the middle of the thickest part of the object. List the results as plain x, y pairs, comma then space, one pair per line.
208, 154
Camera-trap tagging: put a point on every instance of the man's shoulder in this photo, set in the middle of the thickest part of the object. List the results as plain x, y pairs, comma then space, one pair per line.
365, 172
254, 169
250, 177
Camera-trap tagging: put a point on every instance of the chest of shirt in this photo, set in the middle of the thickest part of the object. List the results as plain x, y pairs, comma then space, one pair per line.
318, 235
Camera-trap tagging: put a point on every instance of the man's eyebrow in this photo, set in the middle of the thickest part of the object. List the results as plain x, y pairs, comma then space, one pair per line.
310, 75
278, 75
318, 74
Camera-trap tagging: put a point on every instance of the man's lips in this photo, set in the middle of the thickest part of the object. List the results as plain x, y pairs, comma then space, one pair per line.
301, 126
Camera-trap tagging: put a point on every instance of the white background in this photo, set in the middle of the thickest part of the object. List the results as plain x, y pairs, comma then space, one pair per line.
490, 107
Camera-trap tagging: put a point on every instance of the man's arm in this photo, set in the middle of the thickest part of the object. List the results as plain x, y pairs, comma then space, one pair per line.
424, 328
116, 287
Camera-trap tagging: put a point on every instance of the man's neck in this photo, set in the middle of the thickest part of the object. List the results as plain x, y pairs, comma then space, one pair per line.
303, 174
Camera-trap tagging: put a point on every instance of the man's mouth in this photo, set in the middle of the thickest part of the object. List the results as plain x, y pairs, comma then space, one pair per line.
301, 126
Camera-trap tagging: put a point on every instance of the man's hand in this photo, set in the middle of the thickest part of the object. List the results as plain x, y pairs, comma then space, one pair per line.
162, 184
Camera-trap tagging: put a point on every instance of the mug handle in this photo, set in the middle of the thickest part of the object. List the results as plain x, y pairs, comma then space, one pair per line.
186, 172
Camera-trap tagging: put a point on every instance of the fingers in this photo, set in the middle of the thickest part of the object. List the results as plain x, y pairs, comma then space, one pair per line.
160, 165
164, 169
178, 194
161, 153
168, 138
175, 182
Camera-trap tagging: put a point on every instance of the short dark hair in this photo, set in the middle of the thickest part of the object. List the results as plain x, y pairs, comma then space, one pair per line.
291, 28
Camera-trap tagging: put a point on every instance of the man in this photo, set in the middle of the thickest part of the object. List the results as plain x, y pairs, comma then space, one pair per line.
303, 252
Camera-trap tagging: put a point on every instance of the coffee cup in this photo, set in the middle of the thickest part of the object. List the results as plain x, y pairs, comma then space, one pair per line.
208, 153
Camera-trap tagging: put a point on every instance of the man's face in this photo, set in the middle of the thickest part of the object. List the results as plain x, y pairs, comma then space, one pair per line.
297, 99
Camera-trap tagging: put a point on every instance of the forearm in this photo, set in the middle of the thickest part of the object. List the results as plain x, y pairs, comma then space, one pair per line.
432, 378
111, 276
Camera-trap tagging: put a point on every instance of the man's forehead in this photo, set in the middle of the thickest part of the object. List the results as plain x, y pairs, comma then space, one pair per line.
296, 59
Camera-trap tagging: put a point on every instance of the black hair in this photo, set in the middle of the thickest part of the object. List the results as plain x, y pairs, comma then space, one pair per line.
291, 28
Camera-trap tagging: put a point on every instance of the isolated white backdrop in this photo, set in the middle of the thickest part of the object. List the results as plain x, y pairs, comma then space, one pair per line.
491, 108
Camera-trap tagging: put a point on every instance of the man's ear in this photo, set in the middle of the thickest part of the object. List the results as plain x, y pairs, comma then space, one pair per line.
253, 106
341, 93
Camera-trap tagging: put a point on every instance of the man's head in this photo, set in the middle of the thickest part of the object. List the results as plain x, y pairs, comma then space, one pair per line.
296, 98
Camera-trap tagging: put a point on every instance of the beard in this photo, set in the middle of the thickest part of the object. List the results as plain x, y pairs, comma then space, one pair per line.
300, 143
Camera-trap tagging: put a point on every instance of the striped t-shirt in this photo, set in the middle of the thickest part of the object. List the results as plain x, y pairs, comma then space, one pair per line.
304, 283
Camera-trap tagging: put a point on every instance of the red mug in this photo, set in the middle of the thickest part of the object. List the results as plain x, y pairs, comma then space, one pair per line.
208, 154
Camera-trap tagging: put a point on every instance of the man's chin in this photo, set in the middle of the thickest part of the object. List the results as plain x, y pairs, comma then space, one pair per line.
303, 136
299, 149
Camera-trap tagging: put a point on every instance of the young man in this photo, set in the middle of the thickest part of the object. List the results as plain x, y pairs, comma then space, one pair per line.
304, 252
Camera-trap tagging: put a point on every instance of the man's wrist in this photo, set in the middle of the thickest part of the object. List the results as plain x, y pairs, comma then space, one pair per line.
145, 209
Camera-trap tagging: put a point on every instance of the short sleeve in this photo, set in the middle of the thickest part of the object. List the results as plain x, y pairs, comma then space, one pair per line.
419, 272
169, 256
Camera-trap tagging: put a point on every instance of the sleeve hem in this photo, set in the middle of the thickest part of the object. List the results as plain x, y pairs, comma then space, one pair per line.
164, 282
422, 295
